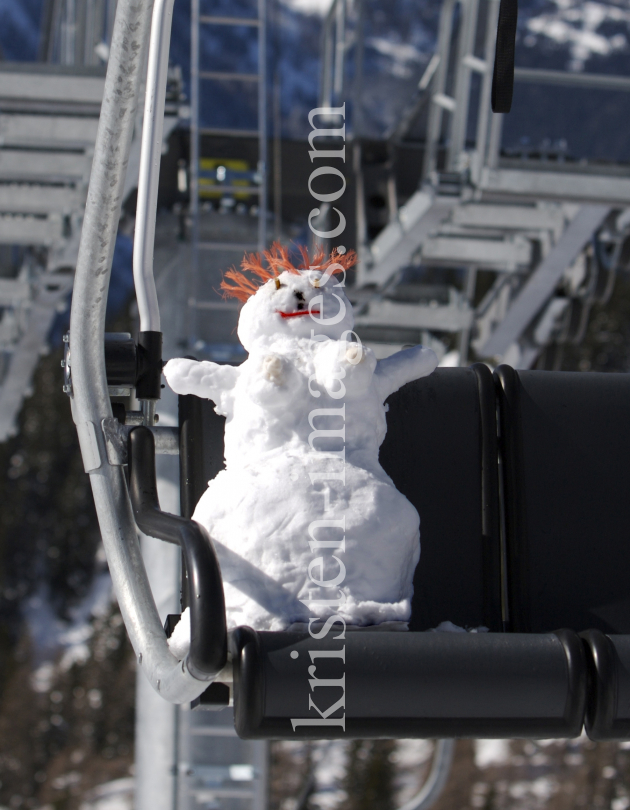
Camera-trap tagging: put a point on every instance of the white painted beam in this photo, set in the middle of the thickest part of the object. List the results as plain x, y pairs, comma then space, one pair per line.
506, 254
551, 185
49, 87
543, 281
50, 130
24, 164
37, 199
30, 230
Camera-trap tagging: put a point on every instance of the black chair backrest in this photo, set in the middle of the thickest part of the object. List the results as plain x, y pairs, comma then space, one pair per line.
565, 440
565, 445
441, 451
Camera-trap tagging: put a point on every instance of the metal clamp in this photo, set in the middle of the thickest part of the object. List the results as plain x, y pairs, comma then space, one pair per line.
166, 440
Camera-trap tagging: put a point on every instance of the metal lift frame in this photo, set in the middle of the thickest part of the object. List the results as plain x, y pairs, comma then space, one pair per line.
91, 406
520, 698
103, 442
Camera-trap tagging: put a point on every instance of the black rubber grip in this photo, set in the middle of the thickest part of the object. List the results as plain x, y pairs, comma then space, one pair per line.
149, 380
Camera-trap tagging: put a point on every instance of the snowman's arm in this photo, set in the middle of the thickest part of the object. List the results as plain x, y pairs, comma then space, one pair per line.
403, 367
202, 378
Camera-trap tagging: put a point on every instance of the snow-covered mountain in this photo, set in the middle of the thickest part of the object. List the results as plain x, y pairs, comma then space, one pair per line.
579, 36
587, 30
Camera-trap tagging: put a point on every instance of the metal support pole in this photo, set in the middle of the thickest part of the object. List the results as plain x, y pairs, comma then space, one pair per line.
326, 70
68, 32
261, 764
150, 159
340, 46
92, 8
494, 146
193, 205
469, 296
277, 156
79, 33
483, 117
357, 115
434, 126
465, 48
361, 235
262, 124
156, 721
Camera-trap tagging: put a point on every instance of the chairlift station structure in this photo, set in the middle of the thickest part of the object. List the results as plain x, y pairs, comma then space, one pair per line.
552, 233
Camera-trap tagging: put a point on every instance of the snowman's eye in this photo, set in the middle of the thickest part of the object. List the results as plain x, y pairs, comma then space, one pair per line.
299, 295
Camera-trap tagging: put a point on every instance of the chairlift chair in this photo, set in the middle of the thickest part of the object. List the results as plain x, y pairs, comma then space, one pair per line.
517, 477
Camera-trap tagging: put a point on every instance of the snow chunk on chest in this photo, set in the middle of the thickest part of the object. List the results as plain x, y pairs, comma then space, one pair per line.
287, 395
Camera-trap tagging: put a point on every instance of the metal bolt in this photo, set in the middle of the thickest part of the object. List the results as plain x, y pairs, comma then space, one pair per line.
67, 389
66, 337
63, 364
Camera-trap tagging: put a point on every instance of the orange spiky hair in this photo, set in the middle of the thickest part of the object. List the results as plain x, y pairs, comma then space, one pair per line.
278, 261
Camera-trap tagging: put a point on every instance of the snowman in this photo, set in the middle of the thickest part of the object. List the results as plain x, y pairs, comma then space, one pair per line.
306, 523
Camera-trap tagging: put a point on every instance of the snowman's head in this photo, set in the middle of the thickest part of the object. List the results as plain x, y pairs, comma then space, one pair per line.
295, 302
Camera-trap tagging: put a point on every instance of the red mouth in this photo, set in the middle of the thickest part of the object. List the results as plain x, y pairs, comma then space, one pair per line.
296, 314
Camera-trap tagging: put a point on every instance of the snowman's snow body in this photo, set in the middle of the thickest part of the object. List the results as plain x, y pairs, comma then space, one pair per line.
306, 524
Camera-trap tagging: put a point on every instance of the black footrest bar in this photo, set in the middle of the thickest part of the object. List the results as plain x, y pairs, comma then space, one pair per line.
208, 644
608, 707
408, 685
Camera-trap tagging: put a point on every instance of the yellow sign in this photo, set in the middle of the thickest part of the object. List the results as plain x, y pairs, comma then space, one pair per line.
208, 184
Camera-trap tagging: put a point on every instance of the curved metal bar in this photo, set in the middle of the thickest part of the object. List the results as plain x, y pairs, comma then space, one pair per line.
150, 156
208, 636
438, 776
90, 399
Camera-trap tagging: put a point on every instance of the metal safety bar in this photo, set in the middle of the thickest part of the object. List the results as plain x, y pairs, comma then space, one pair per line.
90, 398
150, 157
